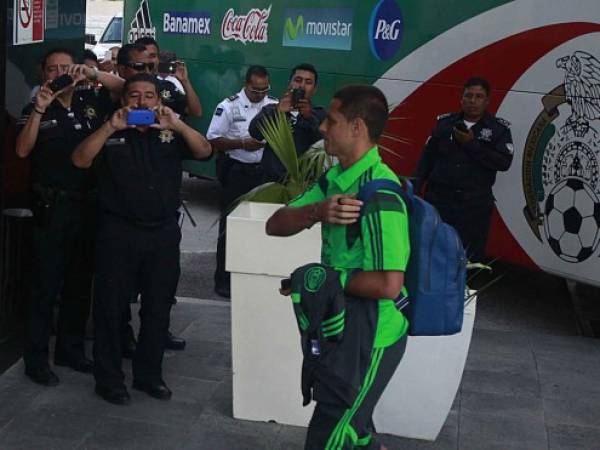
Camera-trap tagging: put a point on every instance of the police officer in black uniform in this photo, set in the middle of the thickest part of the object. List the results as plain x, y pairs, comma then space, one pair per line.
459, 165
64, 205
303, 117
133, 59
139, 177
184, 103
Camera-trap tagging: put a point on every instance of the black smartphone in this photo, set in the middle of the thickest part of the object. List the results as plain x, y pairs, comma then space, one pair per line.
141, 117
460, 126
61, 82
167, 67
297, 95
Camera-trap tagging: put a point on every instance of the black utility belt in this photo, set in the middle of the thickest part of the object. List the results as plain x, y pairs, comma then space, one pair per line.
237, 162
52, 192
446, 189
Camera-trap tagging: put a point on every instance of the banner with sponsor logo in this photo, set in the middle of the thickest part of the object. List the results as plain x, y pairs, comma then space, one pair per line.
141, 23
250, 27
28, 21
326, 28
196, 23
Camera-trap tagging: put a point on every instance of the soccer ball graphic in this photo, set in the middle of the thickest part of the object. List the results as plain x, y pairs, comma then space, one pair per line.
572, 220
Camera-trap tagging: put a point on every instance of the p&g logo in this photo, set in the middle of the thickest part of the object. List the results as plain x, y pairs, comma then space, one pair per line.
386, 28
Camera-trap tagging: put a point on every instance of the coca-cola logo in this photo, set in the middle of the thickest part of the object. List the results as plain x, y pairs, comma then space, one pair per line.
250, 27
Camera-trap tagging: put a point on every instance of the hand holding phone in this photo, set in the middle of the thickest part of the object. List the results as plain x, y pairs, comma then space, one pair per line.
141, 117
297, 95
167, 67
460, 126
61, 82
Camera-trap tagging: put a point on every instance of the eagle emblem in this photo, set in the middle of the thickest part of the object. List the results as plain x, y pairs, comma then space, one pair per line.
582, 89
561, 163
166, 136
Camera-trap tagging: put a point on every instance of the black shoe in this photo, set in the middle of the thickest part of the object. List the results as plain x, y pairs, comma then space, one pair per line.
174, 342
223, 291
115, 395
80, 364
42, 375
156, 390
128, 347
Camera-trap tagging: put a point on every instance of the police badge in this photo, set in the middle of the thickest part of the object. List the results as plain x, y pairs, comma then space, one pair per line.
166, 136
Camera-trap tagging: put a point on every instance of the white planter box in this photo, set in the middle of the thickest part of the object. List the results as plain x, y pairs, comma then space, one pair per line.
266, 353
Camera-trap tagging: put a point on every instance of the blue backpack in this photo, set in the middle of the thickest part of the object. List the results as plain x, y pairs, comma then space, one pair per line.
436, 273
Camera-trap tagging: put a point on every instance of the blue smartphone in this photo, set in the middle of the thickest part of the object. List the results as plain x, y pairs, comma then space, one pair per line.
141, 117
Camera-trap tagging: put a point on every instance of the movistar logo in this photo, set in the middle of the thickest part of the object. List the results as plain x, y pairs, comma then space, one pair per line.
329, 28
292, 30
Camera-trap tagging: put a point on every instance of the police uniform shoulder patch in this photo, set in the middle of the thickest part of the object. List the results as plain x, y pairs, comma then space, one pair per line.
233, 98
444, 116
218, 111
502, 121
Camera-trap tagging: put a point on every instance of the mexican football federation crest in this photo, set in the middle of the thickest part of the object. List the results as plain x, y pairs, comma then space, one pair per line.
561, 163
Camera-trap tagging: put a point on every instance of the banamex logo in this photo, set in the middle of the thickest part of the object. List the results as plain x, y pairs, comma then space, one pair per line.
386, 28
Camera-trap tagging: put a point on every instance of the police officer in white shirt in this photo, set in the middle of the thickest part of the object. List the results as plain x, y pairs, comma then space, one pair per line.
238, 160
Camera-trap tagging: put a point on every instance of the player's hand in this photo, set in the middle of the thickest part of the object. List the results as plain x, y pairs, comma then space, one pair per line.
340, 209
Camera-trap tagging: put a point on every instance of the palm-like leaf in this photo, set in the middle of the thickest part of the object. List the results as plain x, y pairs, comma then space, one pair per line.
278, 133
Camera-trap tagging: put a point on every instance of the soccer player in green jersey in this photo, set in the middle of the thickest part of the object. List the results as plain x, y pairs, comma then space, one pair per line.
370, 251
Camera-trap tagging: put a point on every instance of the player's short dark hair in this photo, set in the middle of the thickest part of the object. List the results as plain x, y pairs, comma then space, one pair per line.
256, 71
54, 51
361, 101
147, 40
88, 54
305, 66
138, 77
124, 55
478, 81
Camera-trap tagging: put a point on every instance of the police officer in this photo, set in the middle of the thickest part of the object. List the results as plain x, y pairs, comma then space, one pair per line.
63, 235
459, 165
238, 163
139, 177
302, 115
183, 103
133, 59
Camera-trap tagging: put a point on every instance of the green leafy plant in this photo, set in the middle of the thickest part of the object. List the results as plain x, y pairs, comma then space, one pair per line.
301, 172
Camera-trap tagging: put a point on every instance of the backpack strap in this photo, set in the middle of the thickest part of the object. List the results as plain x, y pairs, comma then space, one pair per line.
371, 187
368, 190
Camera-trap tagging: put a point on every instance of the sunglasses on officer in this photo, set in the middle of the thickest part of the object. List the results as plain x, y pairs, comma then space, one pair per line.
141, 66
260, 91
